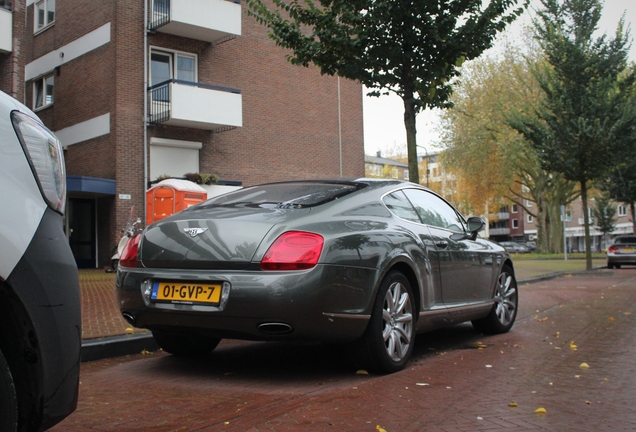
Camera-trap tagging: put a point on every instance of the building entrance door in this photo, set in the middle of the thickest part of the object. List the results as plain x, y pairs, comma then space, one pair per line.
81, 223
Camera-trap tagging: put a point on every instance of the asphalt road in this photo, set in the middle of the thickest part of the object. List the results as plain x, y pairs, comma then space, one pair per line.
567, 365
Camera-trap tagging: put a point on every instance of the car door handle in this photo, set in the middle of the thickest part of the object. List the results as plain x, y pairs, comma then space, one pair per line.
441, 244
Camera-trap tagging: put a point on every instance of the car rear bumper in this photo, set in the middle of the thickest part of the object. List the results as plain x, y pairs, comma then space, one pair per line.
46, 282
621, 259
327, 303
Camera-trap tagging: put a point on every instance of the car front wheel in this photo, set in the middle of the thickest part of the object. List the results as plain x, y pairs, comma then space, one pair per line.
504, 312
8, 398
184, 344
387, 344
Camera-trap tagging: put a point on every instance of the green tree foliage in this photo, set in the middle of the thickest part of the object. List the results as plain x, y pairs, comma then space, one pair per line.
413, 48
490, 159
604, 214
584, 110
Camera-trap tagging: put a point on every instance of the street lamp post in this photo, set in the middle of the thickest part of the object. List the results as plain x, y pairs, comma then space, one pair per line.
426, 162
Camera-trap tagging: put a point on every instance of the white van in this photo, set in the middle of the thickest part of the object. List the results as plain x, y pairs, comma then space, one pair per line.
40, 319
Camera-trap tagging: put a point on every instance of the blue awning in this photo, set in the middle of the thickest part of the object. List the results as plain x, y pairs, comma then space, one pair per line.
92, 185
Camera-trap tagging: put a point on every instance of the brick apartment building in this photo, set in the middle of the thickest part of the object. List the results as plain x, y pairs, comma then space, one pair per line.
139, 90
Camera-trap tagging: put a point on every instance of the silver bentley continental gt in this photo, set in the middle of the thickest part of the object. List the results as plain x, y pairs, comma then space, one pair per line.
365, 262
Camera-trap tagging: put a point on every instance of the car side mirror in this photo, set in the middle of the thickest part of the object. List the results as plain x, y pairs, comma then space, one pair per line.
475, 224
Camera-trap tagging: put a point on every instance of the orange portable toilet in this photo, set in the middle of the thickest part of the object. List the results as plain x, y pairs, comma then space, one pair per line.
171, 196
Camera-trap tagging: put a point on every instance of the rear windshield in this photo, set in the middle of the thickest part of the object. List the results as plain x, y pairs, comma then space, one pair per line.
284, 195
625, 240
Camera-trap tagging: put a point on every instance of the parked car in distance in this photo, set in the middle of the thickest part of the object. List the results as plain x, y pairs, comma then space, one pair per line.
368, 263
530, 246
40, 320
622, 251
513, 247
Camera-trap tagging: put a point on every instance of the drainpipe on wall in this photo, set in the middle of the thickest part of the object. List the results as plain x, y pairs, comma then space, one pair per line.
339, 126
145, 93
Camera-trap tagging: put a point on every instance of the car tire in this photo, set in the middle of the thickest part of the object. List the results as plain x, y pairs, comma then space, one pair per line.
184, 344
617, 266
610, 266
504, 312
388, 341
8, 398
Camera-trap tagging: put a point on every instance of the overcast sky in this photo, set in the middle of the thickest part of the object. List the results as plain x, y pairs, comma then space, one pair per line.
383, 117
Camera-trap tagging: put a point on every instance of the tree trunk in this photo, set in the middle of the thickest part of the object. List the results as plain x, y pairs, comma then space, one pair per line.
631, 207
586, 221
411, 140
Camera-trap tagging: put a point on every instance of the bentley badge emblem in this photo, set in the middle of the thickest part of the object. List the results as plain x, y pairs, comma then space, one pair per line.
195, 231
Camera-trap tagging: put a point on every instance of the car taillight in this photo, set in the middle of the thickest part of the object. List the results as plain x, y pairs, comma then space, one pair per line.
293, 250
128, 256
612, 249
46, 157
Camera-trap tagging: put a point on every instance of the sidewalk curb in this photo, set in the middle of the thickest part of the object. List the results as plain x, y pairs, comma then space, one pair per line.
122, 345
115, 346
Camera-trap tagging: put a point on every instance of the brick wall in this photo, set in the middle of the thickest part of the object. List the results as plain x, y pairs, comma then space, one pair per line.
12, 64
290, 113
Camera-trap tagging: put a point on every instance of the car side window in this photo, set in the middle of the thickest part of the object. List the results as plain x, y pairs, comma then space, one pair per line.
401, 207
435, 211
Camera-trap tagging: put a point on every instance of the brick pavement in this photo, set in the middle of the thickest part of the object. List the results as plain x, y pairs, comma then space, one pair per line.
457, 381
100, 313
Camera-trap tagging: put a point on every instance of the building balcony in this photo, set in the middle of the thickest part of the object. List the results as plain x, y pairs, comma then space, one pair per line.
503, 216
195, 105
6, 30
499, 231
206, 20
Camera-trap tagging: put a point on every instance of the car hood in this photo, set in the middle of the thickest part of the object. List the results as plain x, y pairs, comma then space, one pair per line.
206, 237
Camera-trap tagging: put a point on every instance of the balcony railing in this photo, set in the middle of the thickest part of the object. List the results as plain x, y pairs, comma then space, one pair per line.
208, 20
499, 231
195, 105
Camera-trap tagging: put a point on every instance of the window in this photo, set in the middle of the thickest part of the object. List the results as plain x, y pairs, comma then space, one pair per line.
166, 65
406, 174
434, 211
515, 208
622, 210
43, 92
528, 203
515, 223
394, 173
529, 219
401, 207
44, 13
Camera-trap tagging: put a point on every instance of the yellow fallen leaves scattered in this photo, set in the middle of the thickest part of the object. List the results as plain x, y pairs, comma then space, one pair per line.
380, 428
129, 329
513, 404
146, 352
540, 411
611, 319
361, 372
573, 347
584, 365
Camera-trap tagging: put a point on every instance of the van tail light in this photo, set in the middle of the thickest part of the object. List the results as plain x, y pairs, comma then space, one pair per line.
130, 253
293, 250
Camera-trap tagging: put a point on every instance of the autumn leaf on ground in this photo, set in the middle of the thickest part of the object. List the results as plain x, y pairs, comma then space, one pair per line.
573, 346
611, 319
362, 372
129, 330
584, 366
380, 428
513, 404
540, 411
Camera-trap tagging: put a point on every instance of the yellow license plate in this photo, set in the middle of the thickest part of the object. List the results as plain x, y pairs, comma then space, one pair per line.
628, 249
186, 293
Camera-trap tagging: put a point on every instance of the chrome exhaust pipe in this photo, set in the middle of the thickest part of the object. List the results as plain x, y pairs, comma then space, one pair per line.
130, 318
275, 328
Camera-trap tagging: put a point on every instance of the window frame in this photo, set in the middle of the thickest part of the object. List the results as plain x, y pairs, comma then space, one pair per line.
529, 218
621, 210
46, 23
173, 63
42, 81
515, 224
